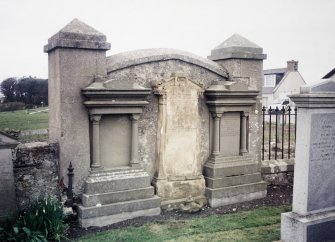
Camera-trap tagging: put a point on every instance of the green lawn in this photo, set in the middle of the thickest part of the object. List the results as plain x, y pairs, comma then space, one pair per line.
262, 224
22, 120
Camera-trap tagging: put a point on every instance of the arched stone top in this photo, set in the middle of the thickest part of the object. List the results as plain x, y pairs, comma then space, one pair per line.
139, 57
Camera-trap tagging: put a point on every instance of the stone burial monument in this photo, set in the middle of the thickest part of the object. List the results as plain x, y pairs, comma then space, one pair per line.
313, 212
154, 129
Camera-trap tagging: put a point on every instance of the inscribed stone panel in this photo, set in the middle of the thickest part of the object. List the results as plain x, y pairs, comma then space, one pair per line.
230, 134
115, 140
182, 130
321, 180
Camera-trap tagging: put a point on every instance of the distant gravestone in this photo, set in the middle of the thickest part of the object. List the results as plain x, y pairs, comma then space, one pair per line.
313, 212
7, 186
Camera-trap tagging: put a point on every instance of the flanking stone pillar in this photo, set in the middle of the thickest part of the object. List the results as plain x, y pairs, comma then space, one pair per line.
77, 54
313, 211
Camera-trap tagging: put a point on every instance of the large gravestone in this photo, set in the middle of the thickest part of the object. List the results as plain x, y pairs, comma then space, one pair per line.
313, 212
7, 186
179, 174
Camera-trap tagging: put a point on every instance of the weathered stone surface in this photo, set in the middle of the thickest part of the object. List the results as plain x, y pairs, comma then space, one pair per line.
116, 180
76, 55
36, 172
178, 152
278, 172
7, 187
237, 47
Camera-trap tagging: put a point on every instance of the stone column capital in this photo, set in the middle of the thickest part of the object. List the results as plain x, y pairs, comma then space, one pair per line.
217, 115
245, 114
95, 118
134, 117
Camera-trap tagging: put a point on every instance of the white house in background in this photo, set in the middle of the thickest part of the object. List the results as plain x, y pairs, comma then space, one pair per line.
279, 83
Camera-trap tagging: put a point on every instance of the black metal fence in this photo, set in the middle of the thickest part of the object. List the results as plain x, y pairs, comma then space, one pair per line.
279, 133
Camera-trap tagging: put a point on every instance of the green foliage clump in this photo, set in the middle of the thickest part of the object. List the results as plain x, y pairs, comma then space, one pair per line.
42, 221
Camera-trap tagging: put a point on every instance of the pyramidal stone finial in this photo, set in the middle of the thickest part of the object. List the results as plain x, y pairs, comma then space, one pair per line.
237, 47
77, 35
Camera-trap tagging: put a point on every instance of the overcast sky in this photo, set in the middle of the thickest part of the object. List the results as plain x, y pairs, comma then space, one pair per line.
302, 30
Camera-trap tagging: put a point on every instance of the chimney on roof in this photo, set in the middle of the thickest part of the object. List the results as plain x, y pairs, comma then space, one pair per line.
292, 65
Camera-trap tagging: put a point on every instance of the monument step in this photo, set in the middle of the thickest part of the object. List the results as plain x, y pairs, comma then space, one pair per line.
117, 180
232, 180
233, 191
89, 200
116, 212
226, 170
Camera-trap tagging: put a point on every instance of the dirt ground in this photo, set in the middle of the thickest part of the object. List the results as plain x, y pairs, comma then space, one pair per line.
276, 195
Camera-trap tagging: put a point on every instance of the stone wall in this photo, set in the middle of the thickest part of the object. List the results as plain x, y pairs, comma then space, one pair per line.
278, 172
36, 172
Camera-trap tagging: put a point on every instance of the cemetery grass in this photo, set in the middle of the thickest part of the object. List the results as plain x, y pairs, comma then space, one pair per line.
262, 224
21, 120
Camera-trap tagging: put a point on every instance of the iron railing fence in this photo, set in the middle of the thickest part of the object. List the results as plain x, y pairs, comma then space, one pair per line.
279, 127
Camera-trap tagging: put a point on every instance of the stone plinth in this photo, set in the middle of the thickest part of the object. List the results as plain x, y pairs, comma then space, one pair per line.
313, 211
179, 174
115, 195
232, 174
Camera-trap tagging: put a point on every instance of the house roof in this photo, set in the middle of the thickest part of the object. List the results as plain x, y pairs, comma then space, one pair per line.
289, 75
274, 71
329, 74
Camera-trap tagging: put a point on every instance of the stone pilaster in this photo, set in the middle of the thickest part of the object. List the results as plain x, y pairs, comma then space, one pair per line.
134, 162
216, 133
96, 163
244, 134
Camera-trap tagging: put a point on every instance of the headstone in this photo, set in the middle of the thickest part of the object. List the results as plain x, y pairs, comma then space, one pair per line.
179, 174
313, 211
7, 187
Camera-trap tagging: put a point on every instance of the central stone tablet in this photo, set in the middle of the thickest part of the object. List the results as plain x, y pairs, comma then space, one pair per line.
178, 172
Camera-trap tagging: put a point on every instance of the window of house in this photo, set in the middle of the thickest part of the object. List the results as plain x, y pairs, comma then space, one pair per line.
269, 80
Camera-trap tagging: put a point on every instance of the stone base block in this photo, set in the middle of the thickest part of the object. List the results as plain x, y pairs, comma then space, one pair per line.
116, 180
232, 180
236, 194
311, 228
175, 204
219, 170
112, 213
89, 200
182, 189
